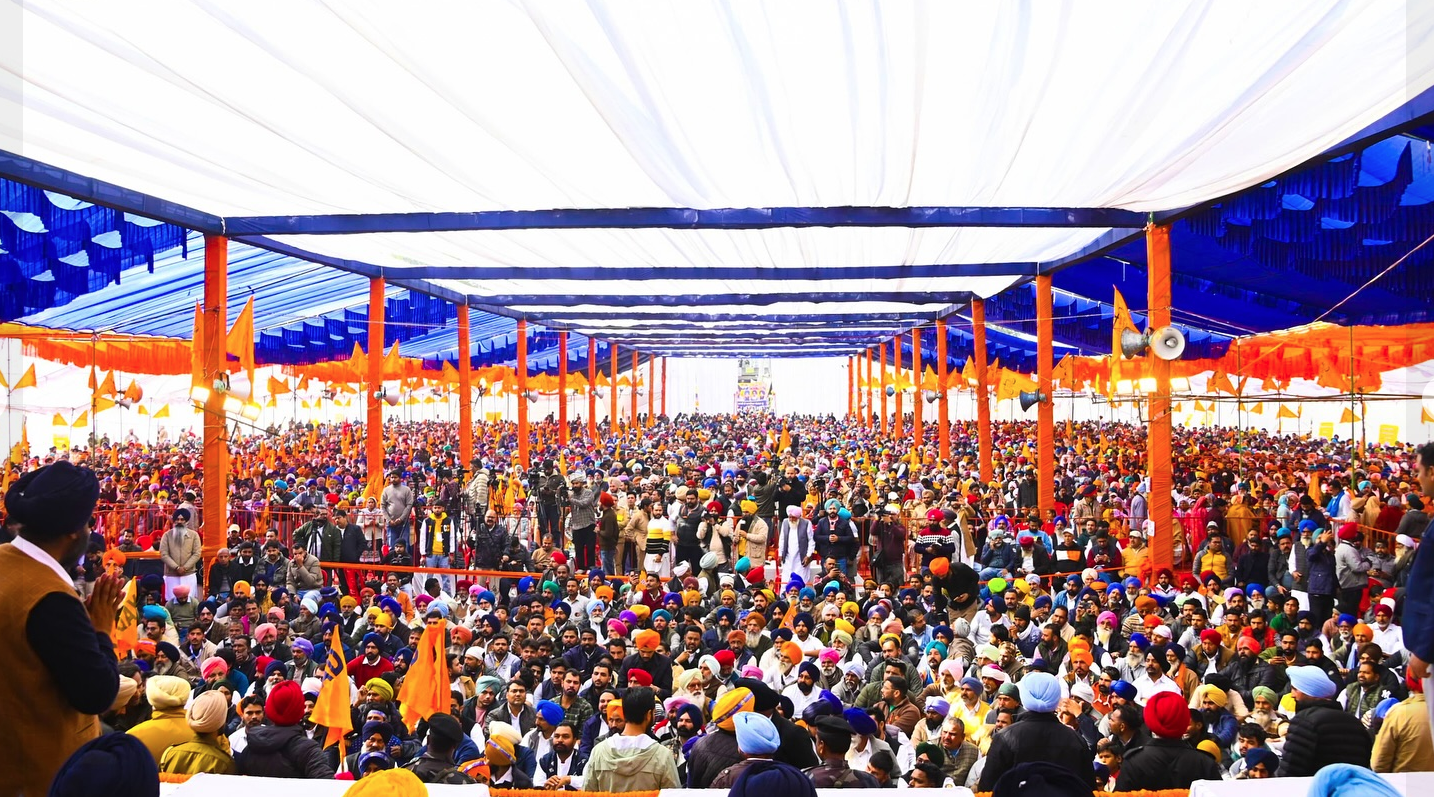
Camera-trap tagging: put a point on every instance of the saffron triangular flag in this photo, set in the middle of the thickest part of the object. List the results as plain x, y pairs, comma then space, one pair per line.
425, 688
83, 420
162, 412
27, 379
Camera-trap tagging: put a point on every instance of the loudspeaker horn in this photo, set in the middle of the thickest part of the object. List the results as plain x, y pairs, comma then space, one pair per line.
532, 396
1167, 343
890, 391
391, 399
1132, 343
931, 396
1029, 399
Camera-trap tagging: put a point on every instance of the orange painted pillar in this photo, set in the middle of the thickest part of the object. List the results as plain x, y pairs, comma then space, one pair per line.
215, 479
885, 429
373, 425
983, 390
1045, 410
943, 408
465, 389
900, 422
1157, 255
523, 393
632, 392
664, 387
917, 432
592, 394
867, 420
651, 387
563, 387
612, 391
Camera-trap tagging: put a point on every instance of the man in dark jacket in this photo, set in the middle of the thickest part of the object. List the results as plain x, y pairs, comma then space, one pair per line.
1321, 732
351, 548
436, 764
1166, 761
280, 749
1037, 735
1248, 670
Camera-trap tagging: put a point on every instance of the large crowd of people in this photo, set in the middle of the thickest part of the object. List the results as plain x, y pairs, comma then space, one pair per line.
720, 601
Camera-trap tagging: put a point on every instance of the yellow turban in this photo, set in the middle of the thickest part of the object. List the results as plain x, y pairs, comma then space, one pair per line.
388, 783
748, 507
842, 624
1214, 693
501, 752
381, 686
729, 704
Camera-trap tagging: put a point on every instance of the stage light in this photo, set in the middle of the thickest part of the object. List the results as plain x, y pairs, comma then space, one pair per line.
232, 405
1179, 384
251, 411
199, 394
1124, 386
1147, 384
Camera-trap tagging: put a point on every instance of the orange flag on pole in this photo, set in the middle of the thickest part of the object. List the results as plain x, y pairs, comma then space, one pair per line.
126, 628
425, 688
332, 709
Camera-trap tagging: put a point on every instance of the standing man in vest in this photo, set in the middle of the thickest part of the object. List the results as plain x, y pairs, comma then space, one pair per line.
60, 665
181, 549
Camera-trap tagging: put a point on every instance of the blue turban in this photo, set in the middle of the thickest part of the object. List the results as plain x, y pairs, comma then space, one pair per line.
908, 593
831, 588
999, 603
943, 630
390, 605
693, 713
304, 645
1043, 602
1384, 706
1139, 641
783, 633
371, 637
525, 584
1113, 588
274, 667
830, 699
1123, 689
803, 617
1348, 780
671, 597
810, 669
1073, 578
861, 722
551, 712
1251, 589
795, 581
563, 605
404, 655
376, 726
56, 499
1040, 692
1262, 755
1131, 583
936, 644
973, 683
726, 611
377, 756
153, 612
116, 764
439, 606
1347, 619
1308, 525
766, 777
807, 593
328, 610
756, 735
940, 705
485, 595
1312, 681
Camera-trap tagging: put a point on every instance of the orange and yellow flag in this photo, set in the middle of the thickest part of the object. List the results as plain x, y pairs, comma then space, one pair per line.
332, 709
27, 379
125, 633
425, 688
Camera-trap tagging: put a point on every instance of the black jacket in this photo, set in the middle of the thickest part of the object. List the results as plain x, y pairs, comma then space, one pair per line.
1165, 764
1036, 736
710, 755
283, 752
352, 544
1322, 733
797, 748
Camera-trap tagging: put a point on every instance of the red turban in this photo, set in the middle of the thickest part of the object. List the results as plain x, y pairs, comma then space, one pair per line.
1211, 635
636, 677
1248, 642
1168, 715
1348, 531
